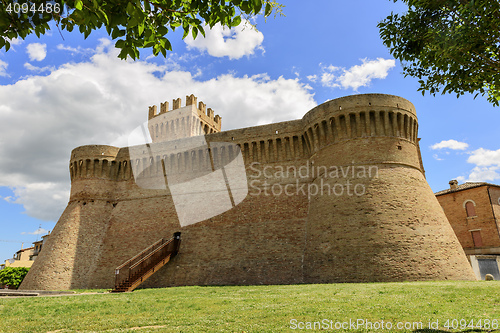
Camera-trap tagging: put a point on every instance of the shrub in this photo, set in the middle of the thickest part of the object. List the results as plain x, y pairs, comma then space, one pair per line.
13, 276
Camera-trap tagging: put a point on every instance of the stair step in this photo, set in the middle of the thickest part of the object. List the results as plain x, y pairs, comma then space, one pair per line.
160, 247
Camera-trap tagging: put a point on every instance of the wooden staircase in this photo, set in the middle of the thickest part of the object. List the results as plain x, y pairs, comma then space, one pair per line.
136, 270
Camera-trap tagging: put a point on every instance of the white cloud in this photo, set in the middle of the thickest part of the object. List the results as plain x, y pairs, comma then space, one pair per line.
15, 41
485, 174
437, 158
36, 51
487, 167
356, 76
328, 79
485, 157
73, 50
3, 68
312, 78
39, 231
37, 69
9, 199
68, 48
234, 43
450, 144
42, 118
44, 201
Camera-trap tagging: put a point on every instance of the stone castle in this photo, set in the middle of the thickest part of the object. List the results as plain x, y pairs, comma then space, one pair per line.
337, 196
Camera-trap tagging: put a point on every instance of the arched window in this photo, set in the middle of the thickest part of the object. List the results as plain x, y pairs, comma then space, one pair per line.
470, 208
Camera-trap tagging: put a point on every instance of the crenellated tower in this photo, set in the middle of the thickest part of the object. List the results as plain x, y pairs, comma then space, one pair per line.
182, 122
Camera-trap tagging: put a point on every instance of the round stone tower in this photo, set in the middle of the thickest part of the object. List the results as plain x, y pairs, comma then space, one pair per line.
372, 215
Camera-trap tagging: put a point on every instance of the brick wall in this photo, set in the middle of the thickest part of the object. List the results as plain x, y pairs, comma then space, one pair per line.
453, 205
495, 201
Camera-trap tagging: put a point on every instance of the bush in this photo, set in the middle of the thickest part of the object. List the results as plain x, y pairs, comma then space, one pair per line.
13, 276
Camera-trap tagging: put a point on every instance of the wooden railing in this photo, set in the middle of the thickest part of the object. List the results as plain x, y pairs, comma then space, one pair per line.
136, 270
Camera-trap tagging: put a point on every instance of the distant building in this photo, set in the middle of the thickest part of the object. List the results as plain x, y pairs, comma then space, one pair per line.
25, 257
38, 246
22, 258
473, 210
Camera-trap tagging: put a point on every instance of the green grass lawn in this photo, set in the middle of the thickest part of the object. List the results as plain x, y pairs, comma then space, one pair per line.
263, 309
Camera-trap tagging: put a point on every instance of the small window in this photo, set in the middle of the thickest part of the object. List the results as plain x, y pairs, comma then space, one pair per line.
476, 238
470, 209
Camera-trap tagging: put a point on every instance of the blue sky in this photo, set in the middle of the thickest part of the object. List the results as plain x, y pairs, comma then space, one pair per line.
57, 93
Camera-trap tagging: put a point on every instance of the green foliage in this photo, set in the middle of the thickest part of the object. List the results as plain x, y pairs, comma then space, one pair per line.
451, 46
133, 24
13, 276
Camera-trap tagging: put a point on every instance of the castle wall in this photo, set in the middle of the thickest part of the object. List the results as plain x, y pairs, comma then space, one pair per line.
381, 230
398, 235
286, 230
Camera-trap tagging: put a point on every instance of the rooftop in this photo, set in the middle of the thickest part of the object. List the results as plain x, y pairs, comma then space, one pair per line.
26, 249
465, 186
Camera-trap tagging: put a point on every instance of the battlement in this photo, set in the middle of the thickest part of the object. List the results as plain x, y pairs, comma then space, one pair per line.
181, 122
345, 124
177, 104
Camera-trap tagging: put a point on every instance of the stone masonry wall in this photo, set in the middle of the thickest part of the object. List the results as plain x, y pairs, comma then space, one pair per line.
360, 211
